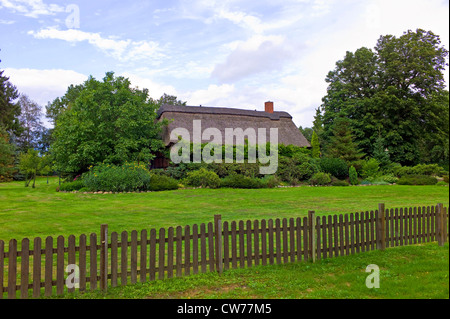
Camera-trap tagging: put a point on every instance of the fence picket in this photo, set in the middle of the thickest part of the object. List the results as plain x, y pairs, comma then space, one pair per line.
25, 268
37, 266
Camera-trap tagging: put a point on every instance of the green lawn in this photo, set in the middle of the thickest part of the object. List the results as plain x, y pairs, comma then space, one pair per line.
41, 212
408, 272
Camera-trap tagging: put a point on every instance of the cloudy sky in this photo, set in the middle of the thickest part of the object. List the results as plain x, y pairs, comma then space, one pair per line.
215, 53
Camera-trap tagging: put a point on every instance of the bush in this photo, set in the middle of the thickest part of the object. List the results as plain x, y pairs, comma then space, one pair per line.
370, 168
161, 183
417, 180
353, 175
420, 169
445, 178
389, 178
72, 186
241, 181
112, 178
339, 182
334, 166
320, 178
202, 178
298, 168
271, 181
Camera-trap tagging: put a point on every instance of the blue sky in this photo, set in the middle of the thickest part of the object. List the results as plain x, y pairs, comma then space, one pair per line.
214, 53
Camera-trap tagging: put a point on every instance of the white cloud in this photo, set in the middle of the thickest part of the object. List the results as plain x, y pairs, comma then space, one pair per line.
31, 8
155, 90
43, 86
7, 21
258, 54
122, 50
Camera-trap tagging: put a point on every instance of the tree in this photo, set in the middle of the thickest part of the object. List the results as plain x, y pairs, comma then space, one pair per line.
169, 99
380, 153
30, 121
32, 164
307, 132
342, 144
9, 110
7, 153
109, 122
315, 145
60, 104
396, 90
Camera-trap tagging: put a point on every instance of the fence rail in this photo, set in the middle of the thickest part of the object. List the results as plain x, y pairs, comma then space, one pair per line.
107, 260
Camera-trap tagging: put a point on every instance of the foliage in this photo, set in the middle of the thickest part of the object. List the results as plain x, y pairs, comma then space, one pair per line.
240, 181
370, 168
396, 91
389, 178
161, 183
337, 167
107, 121
380, 153
307, 132
32, 164
339, 182
202, 178
417, 180
353, 175
112, 178
342, 143
6, 156
445, 178
30, 121
320, 179
297, 168
72, 186
420, 169
9, 109
315, 144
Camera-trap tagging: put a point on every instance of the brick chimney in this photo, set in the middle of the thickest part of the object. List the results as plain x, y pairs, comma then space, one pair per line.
269, 107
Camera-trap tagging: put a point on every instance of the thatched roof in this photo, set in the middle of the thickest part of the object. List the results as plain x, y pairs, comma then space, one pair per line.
222, 118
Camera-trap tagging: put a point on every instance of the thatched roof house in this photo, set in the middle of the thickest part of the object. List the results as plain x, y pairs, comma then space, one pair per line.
222, 118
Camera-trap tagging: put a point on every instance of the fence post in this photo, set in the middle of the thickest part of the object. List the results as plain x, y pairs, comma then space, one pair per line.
312, 235
218, 242
381, 227
440, 231
104, 257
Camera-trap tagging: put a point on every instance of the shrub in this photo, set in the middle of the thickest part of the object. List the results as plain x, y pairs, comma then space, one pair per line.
202, 178
353, 175
445, 178
72, 186
370, 168
320, 178
271, 181
300, 167
389, 178
241, 181
420, 169
161, 183
334, 166
339, 182
417, 180
112, 178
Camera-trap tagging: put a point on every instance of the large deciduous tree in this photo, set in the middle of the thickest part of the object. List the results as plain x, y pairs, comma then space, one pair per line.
108, 121
397, 91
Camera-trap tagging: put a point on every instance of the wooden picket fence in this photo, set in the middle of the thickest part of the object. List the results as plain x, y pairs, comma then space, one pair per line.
40, 269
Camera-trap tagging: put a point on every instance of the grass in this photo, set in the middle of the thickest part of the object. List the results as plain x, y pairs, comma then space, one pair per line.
408, 272
41, 212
